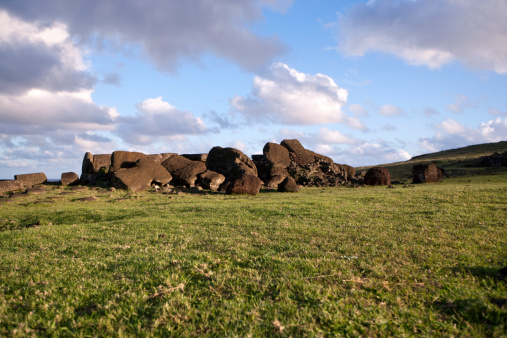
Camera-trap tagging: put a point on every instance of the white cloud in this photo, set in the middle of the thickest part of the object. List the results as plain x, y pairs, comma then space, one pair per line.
390, 110
287, 96
358, 110
452, 134
167, 31
328, 136
462, 102
429, 112
429, 32
158, 119
494, 111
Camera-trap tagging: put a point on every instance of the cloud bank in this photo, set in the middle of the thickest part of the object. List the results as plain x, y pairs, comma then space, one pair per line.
167, 31
429, 32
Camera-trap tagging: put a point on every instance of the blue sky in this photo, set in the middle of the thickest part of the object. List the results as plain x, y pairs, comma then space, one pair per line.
364, 82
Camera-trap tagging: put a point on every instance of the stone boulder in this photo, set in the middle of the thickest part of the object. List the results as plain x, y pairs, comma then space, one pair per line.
302, 155
196, 157
350, 171
141, 176
69, 178
246, 184
159, 158
94, 167
29, 180
183, 170
377, 176
230, 162
425, 173
276, 155
9, 186
288, 185
124, 159
211, 180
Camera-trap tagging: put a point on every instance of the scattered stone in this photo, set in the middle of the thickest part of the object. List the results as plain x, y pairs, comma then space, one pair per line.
35, 191
288, 185
94, 167
30, 180
246, 184
10, 185
18, 195
78, 188
377, 176
390, 186
69, 178
87, 199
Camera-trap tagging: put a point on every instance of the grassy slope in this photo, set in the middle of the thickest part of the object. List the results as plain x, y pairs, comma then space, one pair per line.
367, 261
448, 159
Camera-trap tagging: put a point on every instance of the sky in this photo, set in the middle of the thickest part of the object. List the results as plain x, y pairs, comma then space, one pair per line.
363, 82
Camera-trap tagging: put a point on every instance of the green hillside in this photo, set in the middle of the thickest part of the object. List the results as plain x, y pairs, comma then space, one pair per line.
460, 161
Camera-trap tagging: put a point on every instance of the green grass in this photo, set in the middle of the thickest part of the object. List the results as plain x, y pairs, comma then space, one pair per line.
322, 262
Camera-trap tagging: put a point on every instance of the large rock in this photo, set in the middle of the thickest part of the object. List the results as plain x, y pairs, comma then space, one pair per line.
183, 170
425, 173
230, 162
377, 176
302, 155
124, 159
9, 186
140, 177
196, 157
29, 180
288, 185
94, 167
211, 180
246, 184
159, 158
69, 178
276, 155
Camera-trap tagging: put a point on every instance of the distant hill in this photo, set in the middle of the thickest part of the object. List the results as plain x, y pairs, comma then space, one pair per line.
466, 159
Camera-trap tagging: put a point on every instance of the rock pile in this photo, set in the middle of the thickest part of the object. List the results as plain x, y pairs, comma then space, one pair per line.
285, 167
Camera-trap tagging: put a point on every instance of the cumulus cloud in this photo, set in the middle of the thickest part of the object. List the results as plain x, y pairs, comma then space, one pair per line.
167, 31
429, 112
358, 110
390, 110
452, 134
429, 32
157, 119
287, 96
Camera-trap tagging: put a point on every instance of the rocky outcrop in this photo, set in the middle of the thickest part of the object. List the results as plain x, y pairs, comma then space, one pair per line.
246, 184
230, 162
159, 158
29, 180
141, 176
211, 180
425, 173
288, 185
377, 176
183, 170
10, 186
69, 178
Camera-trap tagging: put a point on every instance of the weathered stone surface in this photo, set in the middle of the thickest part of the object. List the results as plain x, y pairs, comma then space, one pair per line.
196, 157
141, 176
230, 162
94, 167
211, 180
425, 173
288, 185
246, 184
302, 155
69, 178
29, 180
9, 186
377, 176
276, 155
350, 171
159, 158
183, 170
124, 159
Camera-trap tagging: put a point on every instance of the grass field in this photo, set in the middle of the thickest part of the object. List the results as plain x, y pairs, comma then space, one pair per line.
322, 262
